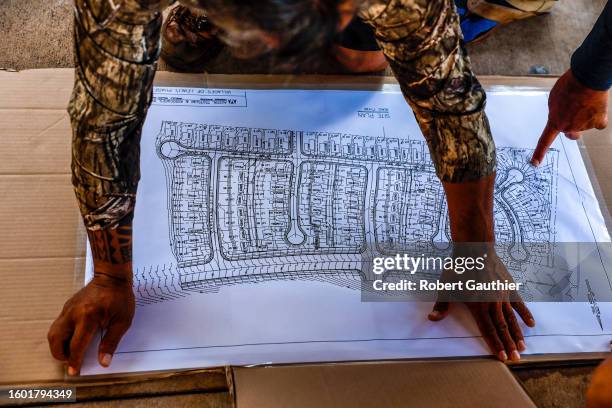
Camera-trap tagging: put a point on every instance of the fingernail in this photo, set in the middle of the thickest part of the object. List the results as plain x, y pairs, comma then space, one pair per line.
535, 162
106, 360
515, 356
521, 345
72, 371
503, 356
531, 323
434, 315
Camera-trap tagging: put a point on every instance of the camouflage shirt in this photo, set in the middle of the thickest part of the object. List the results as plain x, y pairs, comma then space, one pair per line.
117, 46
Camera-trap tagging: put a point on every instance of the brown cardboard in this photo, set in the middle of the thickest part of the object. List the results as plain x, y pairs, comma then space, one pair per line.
42, 244
41, 247
457, 383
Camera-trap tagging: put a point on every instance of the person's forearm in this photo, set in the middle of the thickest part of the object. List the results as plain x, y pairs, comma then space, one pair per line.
592, 62
115, 57
111, 250
427, 56
470, 210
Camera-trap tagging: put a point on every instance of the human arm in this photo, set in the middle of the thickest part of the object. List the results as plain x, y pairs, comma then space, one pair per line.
423, 43
116, 50
472, 229
106, 302
579, 99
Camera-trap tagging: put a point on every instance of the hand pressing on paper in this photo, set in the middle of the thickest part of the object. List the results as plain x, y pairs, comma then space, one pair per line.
106, 303
573, 108
470, 210
493, 311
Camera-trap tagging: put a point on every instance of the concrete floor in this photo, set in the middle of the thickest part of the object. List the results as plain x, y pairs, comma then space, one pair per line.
37, 34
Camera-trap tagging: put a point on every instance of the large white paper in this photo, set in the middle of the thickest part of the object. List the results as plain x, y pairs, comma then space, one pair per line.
254, 205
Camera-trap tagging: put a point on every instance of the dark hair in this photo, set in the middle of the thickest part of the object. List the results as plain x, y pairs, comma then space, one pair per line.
305, 27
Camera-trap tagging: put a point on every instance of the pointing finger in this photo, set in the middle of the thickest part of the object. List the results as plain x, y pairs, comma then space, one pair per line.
548, 137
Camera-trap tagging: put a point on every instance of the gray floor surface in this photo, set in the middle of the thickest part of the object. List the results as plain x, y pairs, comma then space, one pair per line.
37, 34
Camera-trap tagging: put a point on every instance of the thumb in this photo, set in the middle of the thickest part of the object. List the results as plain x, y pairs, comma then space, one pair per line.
439, 311
110, 341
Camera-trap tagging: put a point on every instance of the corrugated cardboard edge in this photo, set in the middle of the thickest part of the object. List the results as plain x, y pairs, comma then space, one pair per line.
457, 383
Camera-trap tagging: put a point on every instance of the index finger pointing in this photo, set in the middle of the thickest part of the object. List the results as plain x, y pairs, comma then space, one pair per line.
548, 137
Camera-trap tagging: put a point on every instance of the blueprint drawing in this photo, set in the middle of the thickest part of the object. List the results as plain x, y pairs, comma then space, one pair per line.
256, 210
270, 195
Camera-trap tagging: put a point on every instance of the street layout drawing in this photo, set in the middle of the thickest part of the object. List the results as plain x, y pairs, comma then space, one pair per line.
290, 202
251, 229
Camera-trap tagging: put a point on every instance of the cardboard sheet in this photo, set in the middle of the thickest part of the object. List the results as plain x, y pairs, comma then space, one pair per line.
255, 205
439, 384
43, 246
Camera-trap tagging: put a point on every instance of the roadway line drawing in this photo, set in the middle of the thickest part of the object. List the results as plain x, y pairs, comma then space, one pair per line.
247, 205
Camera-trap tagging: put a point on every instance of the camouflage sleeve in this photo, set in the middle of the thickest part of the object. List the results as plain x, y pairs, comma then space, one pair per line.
116, 49
423, 42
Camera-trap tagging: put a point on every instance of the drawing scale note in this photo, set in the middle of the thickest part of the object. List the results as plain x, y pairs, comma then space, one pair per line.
254, 208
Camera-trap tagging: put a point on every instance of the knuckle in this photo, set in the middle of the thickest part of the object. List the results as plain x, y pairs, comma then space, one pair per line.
88, 311
57, 327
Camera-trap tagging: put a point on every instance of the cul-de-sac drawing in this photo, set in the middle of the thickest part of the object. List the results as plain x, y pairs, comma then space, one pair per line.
248, 205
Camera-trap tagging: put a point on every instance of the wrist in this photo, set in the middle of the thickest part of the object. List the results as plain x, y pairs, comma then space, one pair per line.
470, 209
114, 273
580, 83
111, 250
